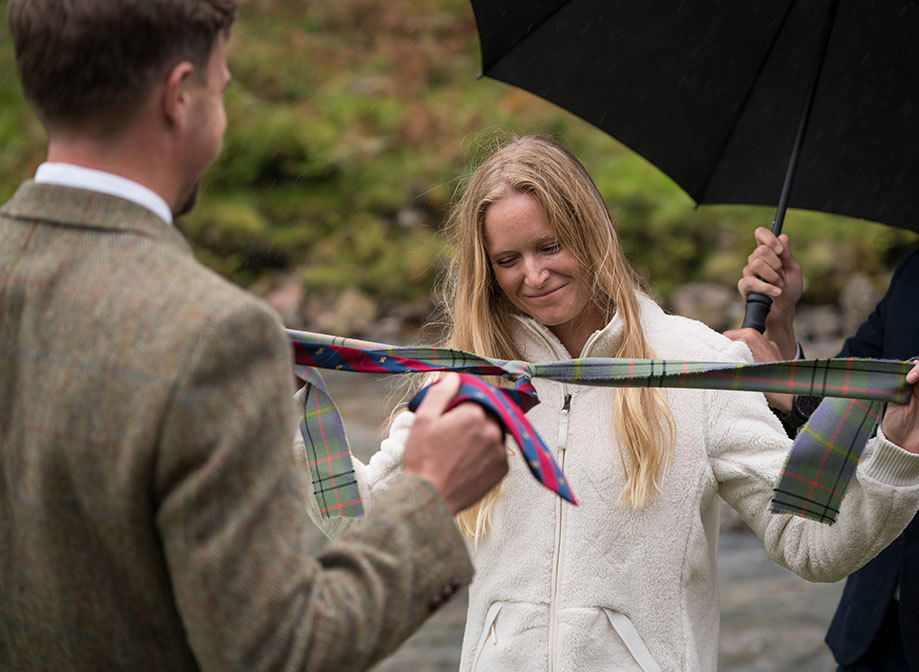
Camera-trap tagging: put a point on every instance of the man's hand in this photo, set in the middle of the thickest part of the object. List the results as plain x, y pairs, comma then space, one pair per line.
772, 270
901, 421
460, 452
763, 351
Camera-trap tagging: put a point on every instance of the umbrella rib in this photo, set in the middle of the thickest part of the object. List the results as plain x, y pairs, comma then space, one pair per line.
529, 32
746, 100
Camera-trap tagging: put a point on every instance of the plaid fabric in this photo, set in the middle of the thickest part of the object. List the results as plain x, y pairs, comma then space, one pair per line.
823, 458
329, 461
818, 468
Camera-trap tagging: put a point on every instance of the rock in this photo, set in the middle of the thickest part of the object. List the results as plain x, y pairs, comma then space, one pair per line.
351, 314
408, 218
416, 314
370, 86
856, 300
286, 297
284, 293
821, 348
717, 306
315, 309
818, 323
388, 330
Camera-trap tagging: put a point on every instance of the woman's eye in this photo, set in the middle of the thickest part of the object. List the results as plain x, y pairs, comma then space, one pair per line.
550, 249
505, 261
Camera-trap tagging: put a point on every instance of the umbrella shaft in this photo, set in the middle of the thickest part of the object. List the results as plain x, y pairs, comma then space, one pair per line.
805, 117
757, 308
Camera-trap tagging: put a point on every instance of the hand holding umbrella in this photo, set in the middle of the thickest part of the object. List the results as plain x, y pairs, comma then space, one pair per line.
773, 271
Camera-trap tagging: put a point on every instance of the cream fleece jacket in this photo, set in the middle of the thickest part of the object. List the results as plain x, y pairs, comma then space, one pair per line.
601, 586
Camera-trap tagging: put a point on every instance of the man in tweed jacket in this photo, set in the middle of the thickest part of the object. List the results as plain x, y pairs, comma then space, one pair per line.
152, 514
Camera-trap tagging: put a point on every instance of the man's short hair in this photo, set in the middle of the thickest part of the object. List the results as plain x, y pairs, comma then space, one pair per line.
85, 61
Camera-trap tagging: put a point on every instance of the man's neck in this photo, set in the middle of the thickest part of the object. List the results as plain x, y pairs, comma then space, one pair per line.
129, 156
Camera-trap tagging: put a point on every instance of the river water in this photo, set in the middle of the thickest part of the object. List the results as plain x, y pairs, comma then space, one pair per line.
771, 620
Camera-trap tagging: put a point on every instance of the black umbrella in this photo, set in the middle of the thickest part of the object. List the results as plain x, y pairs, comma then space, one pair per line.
728, 97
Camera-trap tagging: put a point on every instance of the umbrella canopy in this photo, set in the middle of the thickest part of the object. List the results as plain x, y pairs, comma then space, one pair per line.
711, 92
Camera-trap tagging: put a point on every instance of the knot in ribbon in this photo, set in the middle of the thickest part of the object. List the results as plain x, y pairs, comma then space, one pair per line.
508, 407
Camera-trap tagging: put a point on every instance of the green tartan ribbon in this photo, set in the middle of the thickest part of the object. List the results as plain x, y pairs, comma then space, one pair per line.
812, 483
328, 454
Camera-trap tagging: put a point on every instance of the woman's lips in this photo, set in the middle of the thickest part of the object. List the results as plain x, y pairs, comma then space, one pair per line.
546, 295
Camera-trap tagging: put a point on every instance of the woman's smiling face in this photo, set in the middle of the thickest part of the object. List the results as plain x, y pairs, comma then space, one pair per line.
538, 276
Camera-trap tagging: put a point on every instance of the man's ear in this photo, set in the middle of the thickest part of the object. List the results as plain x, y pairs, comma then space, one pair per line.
176, 92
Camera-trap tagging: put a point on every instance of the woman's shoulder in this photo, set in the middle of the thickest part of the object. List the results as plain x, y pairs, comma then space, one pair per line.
677, 337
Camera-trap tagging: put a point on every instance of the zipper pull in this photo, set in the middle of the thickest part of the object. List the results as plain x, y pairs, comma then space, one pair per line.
562, 443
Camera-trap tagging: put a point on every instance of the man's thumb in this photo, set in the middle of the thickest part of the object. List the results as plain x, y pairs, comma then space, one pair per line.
439, 396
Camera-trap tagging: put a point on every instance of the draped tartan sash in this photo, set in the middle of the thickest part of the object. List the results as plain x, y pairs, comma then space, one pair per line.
812, 483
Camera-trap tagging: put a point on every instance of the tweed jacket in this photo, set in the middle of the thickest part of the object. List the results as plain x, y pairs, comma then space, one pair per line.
602, 586
151, 508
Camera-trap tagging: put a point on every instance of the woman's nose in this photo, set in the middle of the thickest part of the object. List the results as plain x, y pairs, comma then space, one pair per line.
536, 274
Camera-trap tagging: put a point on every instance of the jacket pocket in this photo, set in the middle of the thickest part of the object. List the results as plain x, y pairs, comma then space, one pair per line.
513, 638
488, 632
624, 627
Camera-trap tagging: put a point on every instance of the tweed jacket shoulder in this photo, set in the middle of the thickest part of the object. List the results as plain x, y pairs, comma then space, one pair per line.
151, 510
601, 586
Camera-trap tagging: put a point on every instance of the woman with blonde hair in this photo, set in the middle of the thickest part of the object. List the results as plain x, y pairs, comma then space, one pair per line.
625, 580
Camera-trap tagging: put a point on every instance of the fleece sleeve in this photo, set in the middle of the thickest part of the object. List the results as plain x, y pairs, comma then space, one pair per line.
748, 450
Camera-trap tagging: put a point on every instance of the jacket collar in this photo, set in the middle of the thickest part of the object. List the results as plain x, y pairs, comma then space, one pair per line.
81, 208
528, 333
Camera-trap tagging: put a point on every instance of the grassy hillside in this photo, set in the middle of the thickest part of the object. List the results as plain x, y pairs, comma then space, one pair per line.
350, 123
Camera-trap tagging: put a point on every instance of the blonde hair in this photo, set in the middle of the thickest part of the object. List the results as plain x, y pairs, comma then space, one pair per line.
478, 315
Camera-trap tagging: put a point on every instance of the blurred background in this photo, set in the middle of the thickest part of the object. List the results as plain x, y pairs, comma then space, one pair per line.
351, 123
350, 126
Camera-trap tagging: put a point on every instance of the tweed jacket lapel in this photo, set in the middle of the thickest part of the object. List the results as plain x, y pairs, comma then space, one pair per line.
66, 206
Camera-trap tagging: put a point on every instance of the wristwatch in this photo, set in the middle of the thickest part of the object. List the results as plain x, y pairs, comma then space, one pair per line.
796, 416
802, 407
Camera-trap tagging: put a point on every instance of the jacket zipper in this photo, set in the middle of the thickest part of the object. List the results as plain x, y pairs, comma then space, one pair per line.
562, 444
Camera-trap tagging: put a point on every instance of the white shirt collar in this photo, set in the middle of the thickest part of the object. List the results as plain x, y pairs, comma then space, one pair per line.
78, 177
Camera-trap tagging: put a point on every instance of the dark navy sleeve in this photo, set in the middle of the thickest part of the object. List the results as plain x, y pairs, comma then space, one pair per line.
890, 332
882, 329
